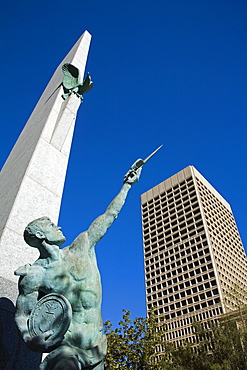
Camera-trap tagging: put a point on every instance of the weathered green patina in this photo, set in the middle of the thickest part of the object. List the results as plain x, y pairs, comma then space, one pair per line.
72, 273
72, 81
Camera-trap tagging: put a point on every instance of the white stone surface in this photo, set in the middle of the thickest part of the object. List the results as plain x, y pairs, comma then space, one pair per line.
66, 120
32, 179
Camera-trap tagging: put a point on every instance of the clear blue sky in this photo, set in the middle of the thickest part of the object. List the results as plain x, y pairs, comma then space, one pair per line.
169, 72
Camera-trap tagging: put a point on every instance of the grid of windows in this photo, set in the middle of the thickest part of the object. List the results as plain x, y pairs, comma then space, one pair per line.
182, 282
227, 247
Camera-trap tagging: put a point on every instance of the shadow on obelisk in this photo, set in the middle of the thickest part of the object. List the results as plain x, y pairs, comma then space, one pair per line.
13, 353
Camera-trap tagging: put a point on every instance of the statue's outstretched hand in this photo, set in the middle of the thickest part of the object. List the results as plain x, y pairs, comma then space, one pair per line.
44, 342
132, 176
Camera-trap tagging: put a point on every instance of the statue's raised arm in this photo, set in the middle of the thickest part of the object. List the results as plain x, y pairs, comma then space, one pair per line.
60, 294
99, 226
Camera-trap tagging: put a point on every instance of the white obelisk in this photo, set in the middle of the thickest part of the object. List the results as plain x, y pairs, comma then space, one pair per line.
32, 179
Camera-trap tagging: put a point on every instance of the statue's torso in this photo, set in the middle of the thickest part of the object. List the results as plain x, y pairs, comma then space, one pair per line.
75, 275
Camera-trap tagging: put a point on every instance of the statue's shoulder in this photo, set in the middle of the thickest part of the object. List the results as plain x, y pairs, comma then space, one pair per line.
80, 243
23, 270
31, 270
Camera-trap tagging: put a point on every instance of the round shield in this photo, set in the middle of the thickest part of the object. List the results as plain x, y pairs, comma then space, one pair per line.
52, 312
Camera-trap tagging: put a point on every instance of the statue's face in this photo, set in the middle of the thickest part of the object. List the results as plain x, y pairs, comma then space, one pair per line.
53, 233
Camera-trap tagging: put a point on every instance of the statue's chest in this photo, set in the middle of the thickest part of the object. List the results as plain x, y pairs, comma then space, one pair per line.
62, 275
56, 278
77, 279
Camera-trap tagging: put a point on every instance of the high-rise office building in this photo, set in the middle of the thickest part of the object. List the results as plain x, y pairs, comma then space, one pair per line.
195, 263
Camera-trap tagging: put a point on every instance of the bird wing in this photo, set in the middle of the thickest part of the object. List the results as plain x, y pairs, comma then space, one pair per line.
71, 76
86, 85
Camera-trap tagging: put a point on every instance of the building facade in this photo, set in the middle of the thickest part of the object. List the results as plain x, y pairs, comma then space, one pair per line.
195, 263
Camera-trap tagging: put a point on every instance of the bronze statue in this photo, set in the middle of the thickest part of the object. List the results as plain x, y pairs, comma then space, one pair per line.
59, 302
72, 81
71, 273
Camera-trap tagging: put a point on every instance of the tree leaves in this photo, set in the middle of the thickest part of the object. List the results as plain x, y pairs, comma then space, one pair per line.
140, 344
134, 343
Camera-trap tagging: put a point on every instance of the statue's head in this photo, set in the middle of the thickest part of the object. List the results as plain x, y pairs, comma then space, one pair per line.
41, 230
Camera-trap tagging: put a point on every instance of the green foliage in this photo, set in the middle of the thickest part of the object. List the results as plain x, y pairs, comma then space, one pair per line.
222, 346
133, 344
229, 346
136, 345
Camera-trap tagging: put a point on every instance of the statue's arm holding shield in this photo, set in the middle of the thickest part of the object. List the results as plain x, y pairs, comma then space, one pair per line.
26, 301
